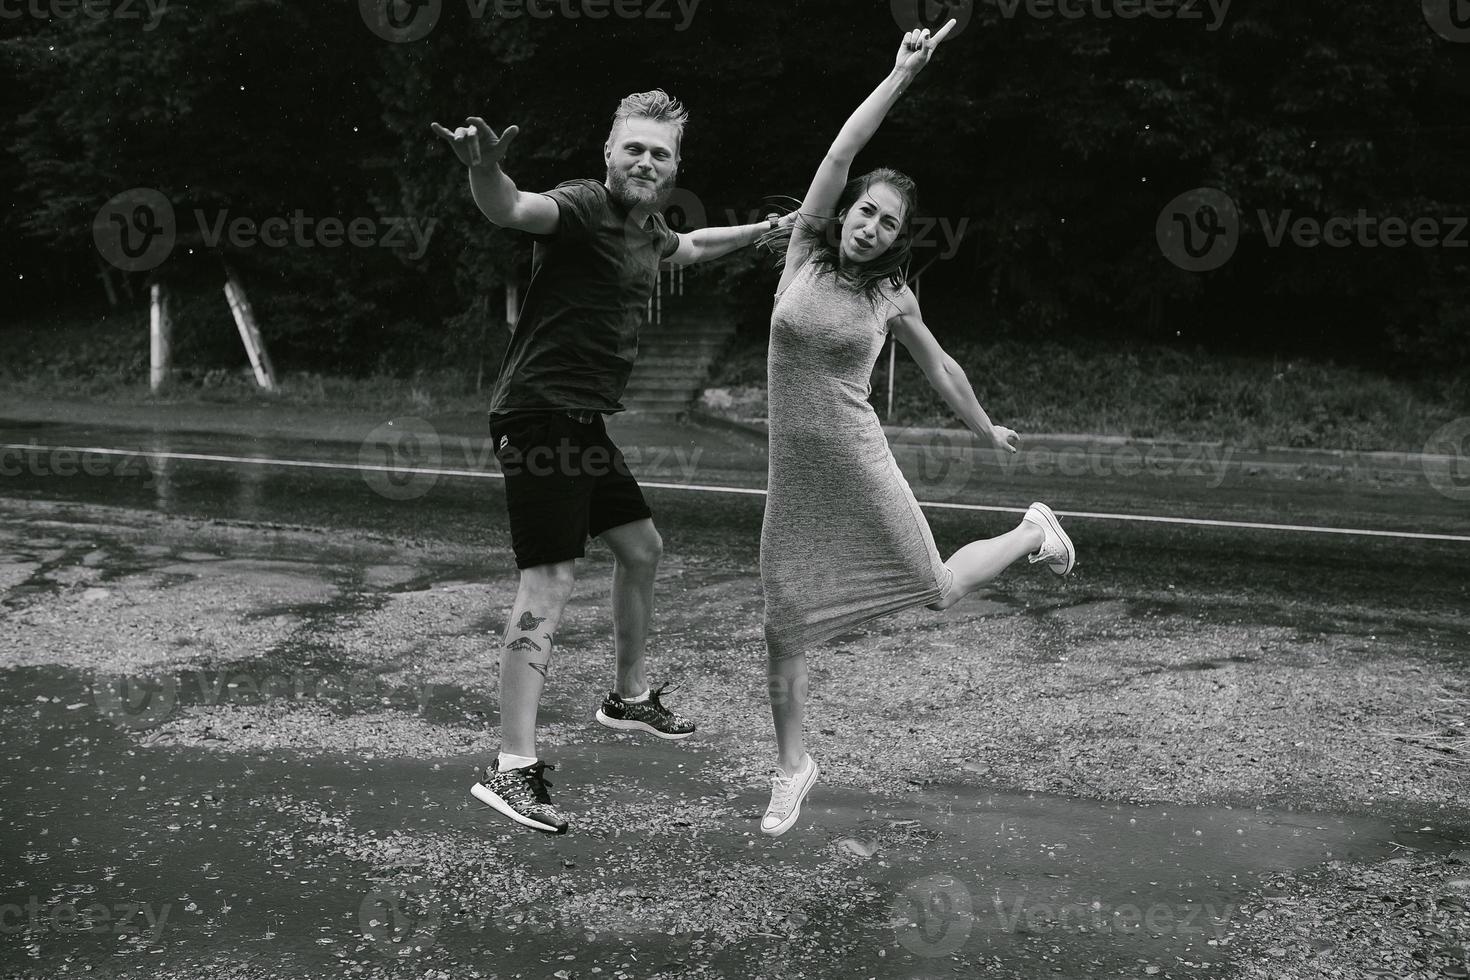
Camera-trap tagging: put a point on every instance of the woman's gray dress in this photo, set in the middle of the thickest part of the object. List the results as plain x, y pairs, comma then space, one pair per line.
843, 540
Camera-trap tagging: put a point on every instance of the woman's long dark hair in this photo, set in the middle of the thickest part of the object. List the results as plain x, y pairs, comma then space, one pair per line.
890, 267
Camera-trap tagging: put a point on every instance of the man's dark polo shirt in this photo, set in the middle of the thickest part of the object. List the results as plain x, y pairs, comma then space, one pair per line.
577, 334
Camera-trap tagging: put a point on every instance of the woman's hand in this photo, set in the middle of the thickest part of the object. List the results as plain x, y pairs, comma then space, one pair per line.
917, 46
1007, 439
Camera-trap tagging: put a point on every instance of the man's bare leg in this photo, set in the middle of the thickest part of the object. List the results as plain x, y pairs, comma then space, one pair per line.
525, 655
637, 548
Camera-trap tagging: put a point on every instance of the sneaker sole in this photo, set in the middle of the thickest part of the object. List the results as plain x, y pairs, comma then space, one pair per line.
1056, 527
624, 725
795, 813
491, 798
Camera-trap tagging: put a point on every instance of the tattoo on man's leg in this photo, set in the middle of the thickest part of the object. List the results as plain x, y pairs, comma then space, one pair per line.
523, 643
538, 668
529, 621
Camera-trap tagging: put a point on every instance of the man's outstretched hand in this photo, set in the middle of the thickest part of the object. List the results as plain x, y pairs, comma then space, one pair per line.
476, 144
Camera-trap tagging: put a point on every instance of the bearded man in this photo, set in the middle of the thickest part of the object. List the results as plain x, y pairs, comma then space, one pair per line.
597, 251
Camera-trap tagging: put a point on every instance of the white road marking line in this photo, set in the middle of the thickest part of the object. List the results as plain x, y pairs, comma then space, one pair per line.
751, 491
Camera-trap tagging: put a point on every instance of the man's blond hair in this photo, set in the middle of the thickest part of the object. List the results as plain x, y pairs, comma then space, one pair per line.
657, 105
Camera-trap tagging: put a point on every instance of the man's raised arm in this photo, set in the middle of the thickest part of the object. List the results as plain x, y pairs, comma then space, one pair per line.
496, 195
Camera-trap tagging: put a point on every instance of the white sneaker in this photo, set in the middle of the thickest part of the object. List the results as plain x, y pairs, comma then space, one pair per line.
1056, 549
786, 796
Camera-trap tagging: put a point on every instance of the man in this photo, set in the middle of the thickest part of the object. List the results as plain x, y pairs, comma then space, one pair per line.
597, 251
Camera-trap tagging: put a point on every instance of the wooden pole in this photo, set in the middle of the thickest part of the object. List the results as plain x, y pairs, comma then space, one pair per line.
160, 336
265, 374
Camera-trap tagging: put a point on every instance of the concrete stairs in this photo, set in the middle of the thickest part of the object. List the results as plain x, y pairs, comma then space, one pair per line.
675, 356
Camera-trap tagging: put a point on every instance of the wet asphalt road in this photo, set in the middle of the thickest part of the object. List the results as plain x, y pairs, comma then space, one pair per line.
1259, 567
1292, 577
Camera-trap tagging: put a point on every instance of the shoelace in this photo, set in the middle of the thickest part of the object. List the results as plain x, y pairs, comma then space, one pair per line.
653, 699
536, 782
783, 789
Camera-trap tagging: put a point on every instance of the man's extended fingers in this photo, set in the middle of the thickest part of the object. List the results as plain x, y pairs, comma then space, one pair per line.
943, 32
441, 131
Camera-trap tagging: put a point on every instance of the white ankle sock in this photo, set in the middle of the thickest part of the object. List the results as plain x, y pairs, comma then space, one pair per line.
639, 699
505, 762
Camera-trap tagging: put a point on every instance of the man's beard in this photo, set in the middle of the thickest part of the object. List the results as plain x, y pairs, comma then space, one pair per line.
631, 193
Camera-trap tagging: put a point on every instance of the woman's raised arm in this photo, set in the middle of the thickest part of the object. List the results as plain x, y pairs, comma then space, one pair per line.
821, 197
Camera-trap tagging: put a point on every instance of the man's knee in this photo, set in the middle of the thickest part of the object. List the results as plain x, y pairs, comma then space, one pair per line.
643, 552
549, 583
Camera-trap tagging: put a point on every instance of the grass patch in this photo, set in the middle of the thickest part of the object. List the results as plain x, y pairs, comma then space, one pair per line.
1133, 390
105, 358
1158, 392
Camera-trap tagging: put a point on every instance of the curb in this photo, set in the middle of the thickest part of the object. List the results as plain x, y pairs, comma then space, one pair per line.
1271, 459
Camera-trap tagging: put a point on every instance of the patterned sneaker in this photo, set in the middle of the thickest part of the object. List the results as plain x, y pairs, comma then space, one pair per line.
644, 716
1056, 549
521, 795
787, 794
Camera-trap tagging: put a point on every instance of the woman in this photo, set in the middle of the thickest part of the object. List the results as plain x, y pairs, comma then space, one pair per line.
843, 539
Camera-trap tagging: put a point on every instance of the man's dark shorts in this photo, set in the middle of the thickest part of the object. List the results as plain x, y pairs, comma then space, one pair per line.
564, 481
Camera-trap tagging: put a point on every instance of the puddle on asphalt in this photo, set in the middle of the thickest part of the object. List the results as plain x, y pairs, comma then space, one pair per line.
215, 848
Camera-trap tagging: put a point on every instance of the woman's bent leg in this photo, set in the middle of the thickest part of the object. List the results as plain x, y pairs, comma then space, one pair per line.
980, 561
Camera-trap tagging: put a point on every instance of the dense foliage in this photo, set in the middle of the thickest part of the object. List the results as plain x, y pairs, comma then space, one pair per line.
1044, 149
